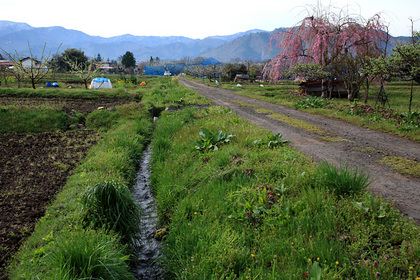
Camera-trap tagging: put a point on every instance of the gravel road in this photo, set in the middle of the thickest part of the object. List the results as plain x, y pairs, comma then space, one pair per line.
363, 148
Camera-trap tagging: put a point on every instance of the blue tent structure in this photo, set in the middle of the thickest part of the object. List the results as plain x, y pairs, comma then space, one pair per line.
100, 83
210, 61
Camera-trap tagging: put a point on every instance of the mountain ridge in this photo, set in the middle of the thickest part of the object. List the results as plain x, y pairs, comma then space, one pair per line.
251, 45
14, 36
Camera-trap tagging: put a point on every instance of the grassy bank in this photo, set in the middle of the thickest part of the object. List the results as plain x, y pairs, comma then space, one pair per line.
68, 242
88, 229
250, 210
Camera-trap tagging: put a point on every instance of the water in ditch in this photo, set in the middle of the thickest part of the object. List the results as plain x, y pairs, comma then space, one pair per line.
148, 250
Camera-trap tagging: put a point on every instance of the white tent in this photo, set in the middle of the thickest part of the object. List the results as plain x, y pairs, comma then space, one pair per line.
100, 83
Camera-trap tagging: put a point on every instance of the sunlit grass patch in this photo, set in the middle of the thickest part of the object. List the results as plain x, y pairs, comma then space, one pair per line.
334, 139
402, 165
294, 122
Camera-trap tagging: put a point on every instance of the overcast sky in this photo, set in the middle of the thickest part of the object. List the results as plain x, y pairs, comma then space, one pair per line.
194, 18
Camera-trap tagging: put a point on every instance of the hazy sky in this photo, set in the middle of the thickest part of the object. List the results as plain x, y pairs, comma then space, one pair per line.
193, 18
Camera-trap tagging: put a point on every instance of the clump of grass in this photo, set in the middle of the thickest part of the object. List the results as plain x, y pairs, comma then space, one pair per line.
342, 181
90, 255
111, 205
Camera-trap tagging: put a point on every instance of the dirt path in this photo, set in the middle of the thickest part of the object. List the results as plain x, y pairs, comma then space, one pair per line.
363, 150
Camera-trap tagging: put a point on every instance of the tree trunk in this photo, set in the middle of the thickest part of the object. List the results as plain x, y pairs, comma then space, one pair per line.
411, 96
367, 90
323, 89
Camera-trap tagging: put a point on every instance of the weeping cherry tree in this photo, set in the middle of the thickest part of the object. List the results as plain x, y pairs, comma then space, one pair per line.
337, 42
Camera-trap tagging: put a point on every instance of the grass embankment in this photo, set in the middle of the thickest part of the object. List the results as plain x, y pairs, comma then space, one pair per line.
86, 230
249, 210
67, 242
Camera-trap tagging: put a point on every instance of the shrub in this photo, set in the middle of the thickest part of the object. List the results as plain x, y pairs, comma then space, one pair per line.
342, 181
90, 255
110, 205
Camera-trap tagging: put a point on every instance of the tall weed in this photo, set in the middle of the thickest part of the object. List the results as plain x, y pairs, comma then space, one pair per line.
110, 205
342, 180
89, 255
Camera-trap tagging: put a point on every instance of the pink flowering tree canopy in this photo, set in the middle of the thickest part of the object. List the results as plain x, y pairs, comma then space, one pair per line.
337, 42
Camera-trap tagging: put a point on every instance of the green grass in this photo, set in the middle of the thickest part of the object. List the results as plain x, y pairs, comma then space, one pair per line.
89, 255
108, 205
398, 93
253, 212
342, 180
86, 252
402, 165
244, 211
36, 120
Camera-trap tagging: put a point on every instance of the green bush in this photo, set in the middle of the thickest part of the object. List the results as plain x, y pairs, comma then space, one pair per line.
110, 205
342, 180
89, 255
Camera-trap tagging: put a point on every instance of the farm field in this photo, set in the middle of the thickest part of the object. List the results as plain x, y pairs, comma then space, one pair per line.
35, 163
252, 208
34, 167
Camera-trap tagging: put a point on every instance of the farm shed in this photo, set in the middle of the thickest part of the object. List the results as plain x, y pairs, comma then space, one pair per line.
242, 78
334, 88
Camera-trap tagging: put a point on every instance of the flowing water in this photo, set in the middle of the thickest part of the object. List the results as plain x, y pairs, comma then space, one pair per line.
148, 251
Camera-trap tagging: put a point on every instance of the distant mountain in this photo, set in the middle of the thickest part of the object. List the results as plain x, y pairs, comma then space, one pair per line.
15, 36
250, 45
7, 27
253, 46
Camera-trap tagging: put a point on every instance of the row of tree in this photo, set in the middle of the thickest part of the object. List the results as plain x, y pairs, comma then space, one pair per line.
72, 61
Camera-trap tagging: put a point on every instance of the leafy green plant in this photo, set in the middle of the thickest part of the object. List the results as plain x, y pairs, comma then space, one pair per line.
211, 140
342, 180
271, 141
316, 271
409, 121
111, 205
89, 255
375, 208
312, 102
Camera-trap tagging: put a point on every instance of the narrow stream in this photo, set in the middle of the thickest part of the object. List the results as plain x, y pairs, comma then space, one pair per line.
148, 251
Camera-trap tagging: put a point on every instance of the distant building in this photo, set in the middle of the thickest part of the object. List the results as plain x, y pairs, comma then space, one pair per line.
5, 64
29, 63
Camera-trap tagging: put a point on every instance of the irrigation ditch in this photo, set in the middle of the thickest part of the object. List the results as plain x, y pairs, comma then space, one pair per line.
148, 249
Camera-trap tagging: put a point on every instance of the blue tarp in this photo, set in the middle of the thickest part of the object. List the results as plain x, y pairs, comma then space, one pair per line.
210, 61
175, 69
101, 80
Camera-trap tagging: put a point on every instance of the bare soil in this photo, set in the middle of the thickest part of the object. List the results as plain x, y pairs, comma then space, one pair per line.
363, 150
34, 167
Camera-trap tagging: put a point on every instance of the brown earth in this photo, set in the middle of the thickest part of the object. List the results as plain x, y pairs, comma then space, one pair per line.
358, 146
34, 168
